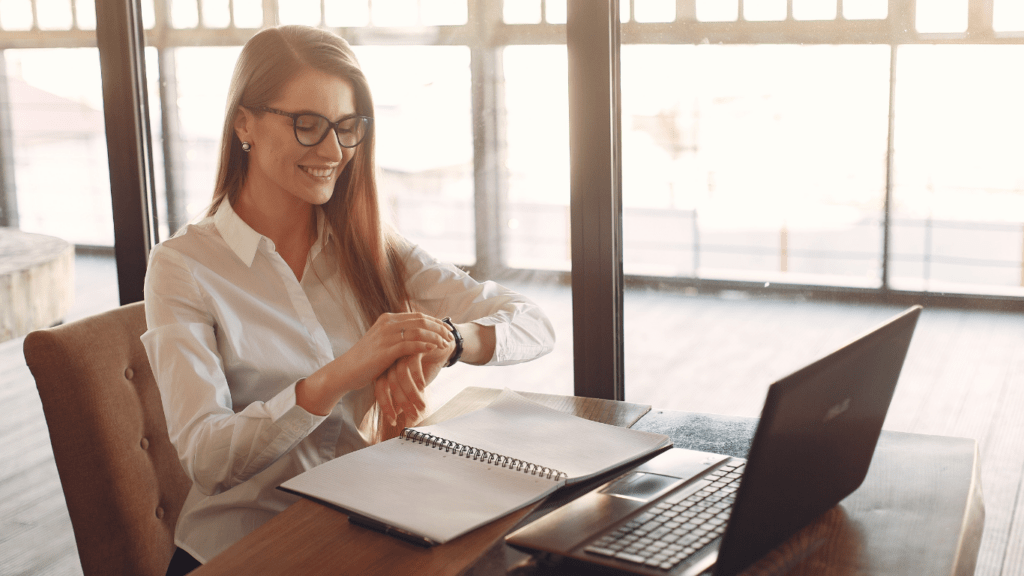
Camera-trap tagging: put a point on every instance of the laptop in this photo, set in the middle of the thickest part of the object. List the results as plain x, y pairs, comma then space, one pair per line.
685, 512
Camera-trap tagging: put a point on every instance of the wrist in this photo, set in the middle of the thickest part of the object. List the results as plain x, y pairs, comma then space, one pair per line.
478, 343
459, 346
309, 395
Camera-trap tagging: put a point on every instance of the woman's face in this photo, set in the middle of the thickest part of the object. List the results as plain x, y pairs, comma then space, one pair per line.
282, 169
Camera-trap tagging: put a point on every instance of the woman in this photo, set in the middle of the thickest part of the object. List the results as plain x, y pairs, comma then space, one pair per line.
290, 326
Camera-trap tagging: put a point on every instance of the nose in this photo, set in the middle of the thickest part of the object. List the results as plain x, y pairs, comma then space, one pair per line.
329, 147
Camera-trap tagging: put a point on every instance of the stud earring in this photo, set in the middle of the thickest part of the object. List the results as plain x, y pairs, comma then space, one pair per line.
246, 146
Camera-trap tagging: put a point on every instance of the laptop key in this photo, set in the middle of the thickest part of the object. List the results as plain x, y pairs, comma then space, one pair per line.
635, 558
600, 551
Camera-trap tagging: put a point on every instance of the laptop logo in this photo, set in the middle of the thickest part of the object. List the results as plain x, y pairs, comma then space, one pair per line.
836, 410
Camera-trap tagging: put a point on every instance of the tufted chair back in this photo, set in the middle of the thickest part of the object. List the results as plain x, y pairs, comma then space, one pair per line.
121, 477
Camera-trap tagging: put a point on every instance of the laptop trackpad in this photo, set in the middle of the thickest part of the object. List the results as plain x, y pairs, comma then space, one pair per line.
641, 486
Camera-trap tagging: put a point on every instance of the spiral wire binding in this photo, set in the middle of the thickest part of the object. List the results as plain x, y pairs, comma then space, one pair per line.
481, 455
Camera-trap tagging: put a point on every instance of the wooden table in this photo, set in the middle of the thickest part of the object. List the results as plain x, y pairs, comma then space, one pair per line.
920, 511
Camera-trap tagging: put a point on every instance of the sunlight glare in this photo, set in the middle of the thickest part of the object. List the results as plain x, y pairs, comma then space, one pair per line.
764, 10
346, 13
249, 13
557, 11
717, 10
941, 16
86, 14
443, 12
15, 14
72, 73
394, 13
54, 14
522, 12
299, 12
1008, 16
814, 9
654, 10
216, 13
184, 14
865, 9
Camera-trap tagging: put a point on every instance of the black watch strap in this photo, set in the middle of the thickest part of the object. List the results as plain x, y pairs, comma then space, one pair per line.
458, 342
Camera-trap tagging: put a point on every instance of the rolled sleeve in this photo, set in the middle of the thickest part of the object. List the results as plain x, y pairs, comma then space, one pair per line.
523, 331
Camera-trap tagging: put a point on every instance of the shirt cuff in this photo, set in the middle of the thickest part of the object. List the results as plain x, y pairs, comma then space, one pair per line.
289, 417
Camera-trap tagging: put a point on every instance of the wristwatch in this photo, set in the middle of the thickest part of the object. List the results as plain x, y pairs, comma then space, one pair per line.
458, 342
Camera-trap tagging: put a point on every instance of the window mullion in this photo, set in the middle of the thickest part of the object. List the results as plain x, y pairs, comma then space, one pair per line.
119, 37
8, 192
593, 42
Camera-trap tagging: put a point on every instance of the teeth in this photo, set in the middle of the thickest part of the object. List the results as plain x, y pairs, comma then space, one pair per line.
318, 172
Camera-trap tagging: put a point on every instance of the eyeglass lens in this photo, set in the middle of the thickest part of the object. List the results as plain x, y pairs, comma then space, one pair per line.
311, 129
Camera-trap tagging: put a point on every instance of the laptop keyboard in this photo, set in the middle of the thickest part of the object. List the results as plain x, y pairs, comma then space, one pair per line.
678, 526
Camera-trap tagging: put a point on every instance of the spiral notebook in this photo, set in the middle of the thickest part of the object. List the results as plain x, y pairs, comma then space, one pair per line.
435, 483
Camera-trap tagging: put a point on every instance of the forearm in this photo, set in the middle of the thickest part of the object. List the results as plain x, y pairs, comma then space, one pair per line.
322, 390
224, 450
478, 343
391, 337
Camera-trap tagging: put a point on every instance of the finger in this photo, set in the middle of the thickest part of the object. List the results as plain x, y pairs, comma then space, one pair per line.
412, 326
410, 388
428, 337
402, 348
398, 387
423, 322
382, 391
416, 370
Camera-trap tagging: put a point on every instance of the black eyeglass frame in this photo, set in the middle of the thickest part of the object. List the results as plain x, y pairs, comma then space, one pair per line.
331, 126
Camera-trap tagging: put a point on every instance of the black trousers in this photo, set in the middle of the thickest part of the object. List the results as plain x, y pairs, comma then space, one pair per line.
182, 563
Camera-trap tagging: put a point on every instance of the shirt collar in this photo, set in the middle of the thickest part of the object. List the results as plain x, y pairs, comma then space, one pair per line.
244, 241
323, 233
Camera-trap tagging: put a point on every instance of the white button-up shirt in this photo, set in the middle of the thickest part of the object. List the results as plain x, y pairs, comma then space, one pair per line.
231, 330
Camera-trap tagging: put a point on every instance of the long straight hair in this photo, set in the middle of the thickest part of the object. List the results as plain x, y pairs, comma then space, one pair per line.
366, 247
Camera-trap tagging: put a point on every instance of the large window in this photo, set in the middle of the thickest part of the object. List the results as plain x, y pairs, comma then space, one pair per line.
762, 163
864, 147
536, 227
57, 142
958, 211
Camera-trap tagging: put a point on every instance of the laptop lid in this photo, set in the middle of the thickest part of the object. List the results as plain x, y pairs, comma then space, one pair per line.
812, 447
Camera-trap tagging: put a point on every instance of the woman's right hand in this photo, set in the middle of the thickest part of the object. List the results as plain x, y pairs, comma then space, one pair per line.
400, 390
391, 337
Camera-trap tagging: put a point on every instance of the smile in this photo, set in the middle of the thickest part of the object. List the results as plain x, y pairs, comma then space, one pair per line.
324, 173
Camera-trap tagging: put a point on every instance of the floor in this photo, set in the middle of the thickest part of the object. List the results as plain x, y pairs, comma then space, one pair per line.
964, 376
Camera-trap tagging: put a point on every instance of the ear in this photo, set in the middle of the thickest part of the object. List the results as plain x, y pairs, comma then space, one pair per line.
244, 124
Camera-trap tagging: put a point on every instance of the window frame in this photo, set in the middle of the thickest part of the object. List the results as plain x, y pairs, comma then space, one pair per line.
593, 35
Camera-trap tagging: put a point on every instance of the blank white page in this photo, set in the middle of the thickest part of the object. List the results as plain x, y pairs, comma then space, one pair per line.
519, 428
420, 489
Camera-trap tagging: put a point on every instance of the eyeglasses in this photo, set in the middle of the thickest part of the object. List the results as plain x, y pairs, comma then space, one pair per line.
311, 129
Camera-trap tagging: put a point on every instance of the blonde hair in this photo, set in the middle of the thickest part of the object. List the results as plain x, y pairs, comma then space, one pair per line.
366, 247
